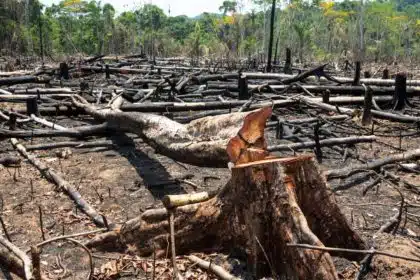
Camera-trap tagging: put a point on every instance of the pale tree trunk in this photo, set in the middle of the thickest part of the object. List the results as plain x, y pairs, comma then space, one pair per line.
202, 142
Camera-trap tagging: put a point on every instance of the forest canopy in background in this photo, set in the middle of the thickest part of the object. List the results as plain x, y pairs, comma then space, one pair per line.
314, 30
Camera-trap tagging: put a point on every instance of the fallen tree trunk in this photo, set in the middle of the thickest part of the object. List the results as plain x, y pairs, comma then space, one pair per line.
72, 144
62, 184
348, 171
201, 142
323, 143
25, 97
279, 76
348, 111
113, 70
41, 91
198, 106
23, 80
78, 132
339, 90
48, 123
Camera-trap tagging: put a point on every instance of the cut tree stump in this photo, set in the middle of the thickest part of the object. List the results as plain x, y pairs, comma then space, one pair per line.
274, 202
268, 204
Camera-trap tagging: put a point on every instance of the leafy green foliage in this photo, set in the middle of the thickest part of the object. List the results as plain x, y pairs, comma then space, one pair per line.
317, 29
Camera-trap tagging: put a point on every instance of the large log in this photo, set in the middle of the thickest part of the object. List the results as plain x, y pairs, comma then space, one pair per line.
375, 113
276, 76
201, 142
41, 90
372, 165
23, 80
114, 70
341, 90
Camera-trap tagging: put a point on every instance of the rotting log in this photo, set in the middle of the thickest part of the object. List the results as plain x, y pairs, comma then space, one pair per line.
55, 178
272, 201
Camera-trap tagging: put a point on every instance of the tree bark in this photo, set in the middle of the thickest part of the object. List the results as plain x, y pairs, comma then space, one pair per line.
274, 202
271, 40
23, 80
202, 142
400, 97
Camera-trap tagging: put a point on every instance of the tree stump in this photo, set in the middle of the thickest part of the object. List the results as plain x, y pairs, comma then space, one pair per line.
267, 204
288, 64
357, 71
273, 202
64, 71
400, 96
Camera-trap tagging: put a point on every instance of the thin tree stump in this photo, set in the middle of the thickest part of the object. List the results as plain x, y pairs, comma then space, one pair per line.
243, 87
32, 106
288, 64
64, 71
358, 69
400, 96
385, 74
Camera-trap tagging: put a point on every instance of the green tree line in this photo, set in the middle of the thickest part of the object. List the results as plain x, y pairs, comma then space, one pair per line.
313, 30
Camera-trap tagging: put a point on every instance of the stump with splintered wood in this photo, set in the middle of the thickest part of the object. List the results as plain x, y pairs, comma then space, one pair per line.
268, 203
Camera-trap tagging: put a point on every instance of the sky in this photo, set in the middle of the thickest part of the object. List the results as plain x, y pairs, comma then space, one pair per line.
190, 8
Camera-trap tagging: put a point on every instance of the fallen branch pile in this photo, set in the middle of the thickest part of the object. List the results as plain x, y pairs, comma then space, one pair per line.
289, 141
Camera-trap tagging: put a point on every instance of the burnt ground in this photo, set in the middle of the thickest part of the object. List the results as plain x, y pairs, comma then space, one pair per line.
123, 181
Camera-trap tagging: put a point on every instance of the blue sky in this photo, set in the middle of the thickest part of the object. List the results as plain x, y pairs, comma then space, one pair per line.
178, 7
